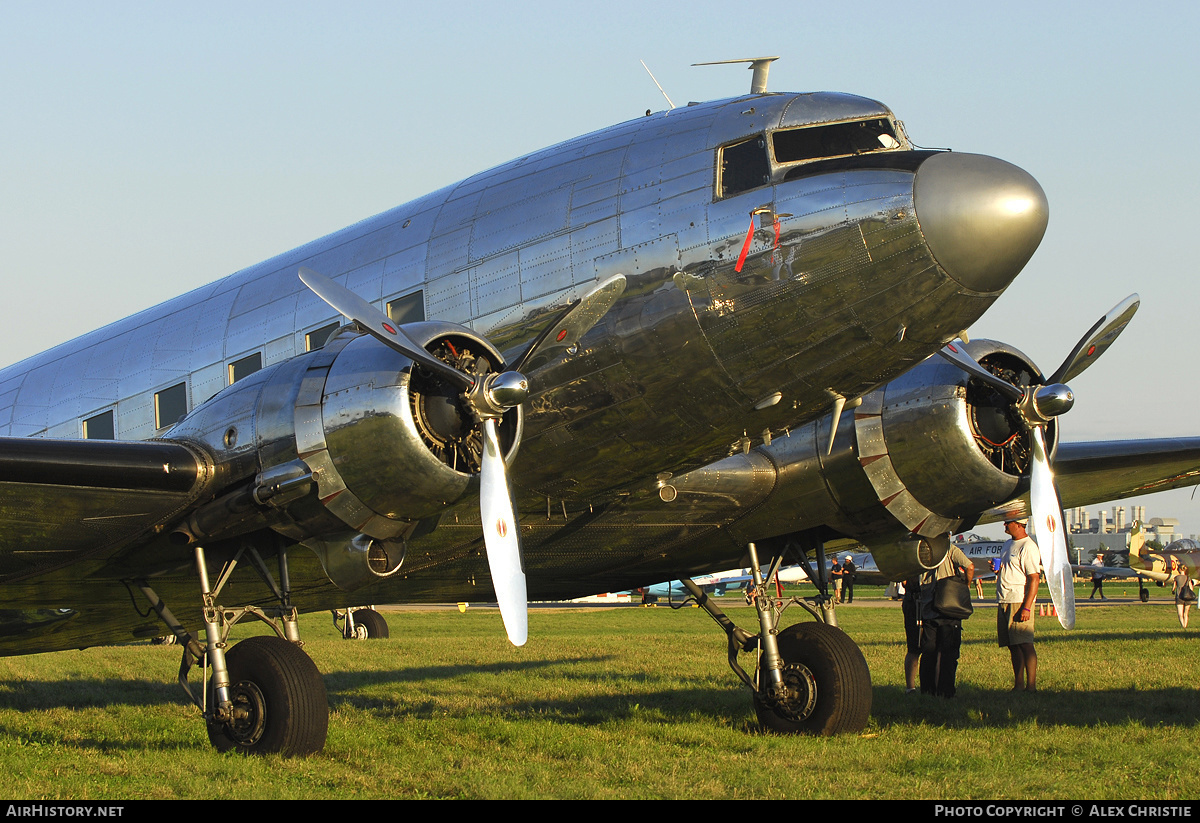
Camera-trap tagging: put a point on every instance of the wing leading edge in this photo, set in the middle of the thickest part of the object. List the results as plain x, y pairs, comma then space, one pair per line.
1097, 472
63, 502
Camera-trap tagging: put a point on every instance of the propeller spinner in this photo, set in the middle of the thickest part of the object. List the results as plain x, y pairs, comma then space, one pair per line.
1036, 406
488, 396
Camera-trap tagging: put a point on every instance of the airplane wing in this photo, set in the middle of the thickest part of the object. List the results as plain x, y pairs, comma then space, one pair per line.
1097, 472
76, 517
65, 502
1116, 469
1114, 571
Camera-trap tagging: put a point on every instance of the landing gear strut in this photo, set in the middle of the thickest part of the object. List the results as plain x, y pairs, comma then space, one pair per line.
811, 678
277, 701
264, 695
828, 685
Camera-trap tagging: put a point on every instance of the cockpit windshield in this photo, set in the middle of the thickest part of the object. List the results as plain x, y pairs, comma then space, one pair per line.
833, 140
747, 164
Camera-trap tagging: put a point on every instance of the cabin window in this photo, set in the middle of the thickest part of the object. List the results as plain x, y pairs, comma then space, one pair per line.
170, 405
834, 140
100, 427
407, 309
317, 339
245, 367
744, 166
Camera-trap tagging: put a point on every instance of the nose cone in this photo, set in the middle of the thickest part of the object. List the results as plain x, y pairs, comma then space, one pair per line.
982, 218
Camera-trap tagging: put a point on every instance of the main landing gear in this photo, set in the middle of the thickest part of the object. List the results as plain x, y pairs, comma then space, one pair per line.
810, 678
264, 695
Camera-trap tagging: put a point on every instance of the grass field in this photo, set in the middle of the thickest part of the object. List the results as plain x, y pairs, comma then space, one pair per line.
627, 703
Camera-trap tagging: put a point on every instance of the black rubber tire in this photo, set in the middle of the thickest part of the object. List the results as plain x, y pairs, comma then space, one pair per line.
822, 658
1144, 595
373, 622
279, 688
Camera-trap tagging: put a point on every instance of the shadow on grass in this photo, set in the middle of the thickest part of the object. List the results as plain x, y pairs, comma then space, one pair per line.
601, 693
728, 708
87, 692
975, 708
65, 739
590, 697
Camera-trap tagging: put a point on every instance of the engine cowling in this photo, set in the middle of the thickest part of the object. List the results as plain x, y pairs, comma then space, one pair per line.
915, 461
939, 448
390, 445
351, 449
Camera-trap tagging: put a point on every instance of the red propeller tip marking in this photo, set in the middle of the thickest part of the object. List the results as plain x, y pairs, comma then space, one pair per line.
1091, 351
501, 528
390, 328
561, 335
950, 346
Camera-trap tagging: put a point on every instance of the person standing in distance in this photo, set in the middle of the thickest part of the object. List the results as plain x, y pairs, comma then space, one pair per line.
1016, 590
835, 574
848, 572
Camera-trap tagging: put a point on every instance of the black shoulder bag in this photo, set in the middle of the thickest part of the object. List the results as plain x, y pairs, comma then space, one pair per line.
952, 597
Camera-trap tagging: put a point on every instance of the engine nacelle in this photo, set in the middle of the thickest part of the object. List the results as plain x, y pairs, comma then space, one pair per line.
916, 460
351, 449
939, 448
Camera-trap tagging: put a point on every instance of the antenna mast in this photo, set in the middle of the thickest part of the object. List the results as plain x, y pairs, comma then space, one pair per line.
652, 77
759, 65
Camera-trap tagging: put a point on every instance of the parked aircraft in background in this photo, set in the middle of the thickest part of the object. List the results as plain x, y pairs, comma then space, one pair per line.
669, 347
982, 554
1146, 563
719, 583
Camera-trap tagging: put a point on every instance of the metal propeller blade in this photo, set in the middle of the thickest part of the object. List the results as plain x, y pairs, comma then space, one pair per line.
1046, 519
1097, 340
956, 354
501, 536
379, 325
1036, 407
570, 326
489, 396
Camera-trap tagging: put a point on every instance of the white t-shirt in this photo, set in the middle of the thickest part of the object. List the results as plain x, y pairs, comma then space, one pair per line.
1018, 560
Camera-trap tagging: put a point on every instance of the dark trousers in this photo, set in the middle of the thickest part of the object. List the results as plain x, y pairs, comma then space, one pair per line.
940, 644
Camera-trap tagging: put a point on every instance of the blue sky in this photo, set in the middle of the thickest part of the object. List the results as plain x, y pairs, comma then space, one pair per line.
149, 148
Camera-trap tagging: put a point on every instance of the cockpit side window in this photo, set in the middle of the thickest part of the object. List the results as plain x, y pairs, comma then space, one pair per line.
833, 140
744, 166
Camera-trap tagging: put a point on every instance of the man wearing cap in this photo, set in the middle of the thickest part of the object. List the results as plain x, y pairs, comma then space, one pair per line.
848, 572
1016, 590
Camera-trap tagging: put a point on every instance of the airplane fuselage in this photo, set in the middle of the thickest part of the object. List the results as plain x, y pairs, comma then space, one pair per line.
865, 256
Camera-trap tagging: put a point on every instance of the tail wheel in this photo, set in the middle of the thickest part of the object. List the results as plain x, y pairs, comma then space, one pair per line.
279, 701
374, 624
828, 681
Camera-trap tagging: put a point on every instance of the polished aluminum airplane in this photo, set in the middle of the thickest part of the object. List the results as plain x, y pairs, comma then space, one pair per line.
667, 347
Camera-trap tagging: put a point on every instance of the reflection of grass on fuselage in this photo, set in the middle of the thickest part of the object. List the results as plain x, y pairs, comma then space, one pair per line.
623, 702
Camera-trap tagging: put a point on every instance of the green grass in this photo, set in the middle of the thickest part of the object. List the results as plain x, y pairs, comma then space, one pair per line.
626, 703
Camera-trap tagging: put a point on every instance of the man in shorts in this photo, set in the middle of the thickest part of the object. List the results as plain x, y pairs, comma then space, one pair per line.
1016, 590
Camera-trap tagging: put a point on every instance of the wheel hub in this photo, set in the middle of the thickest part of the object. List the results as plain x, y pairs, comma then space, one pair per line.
248, 714
801, 696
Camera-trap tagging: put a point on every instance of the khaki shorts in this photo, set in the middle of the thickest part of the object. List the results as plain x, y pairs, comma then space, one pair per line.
1009, 633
